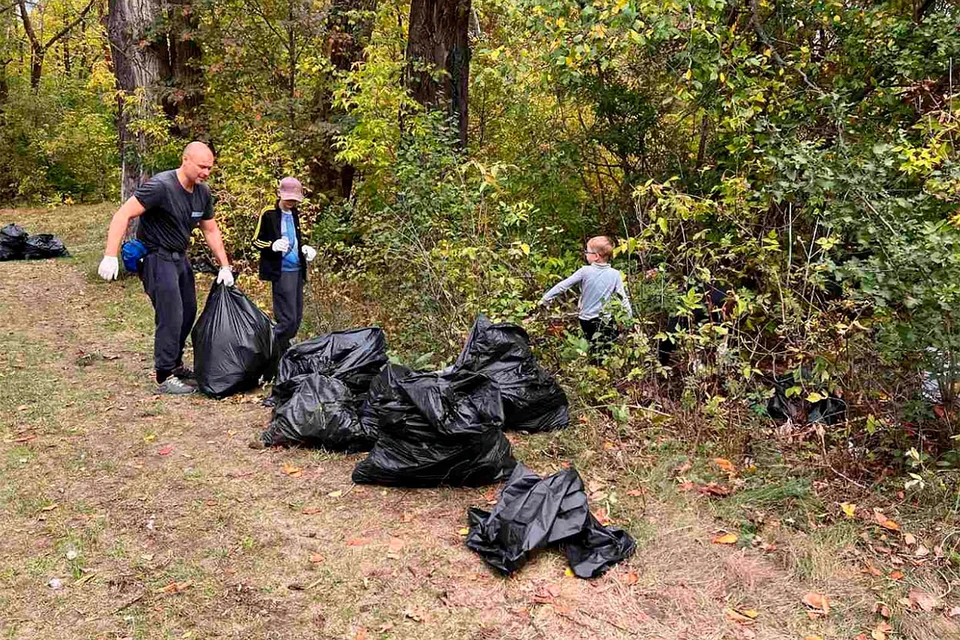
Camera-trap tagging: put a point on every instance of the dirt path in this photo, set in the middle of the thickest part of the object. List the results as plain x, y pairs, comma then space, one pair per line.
160, 522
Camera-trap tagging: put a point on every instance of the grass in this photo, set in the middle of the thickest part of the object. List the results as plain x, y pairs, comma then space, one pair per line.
75, 357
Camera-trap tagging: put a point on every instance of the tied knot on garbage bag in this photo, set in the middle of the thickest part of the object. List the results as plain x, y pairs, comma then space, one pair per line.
435, 429
233, 346
320, 388
535, 513
532, 399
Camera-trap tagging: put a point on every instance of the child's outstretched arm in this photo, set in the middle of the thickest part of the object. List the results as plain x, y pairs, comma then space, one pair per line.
562, 286
624, 299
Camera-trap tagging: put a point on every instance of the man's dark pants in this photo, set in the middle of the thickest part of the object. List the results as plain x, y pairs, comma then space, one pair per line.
287, 307
600, 334
168, 280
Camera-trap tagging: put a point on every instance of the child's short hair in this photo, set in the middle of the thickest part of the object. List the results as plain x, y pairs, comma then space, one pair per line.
602, 245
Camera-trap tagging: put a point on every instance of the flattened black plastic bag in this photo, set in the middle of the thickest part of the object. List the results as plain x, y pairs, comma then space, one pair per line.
13, 241
535, 513
233, 345
435, 429
353, 357
315, 410
532, 399
43, 246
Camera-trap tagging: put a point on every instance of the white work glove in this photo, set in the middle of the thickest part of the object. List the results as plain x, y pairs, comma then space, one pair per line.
281, 246
309, 252
109, 268
225, 276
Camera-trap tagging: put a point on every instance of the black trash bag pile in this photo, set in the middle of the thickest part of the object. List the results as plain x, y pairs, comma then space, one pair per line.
233, 346
828, 411
313, 409
320, 388
532, 399
534, 513
17, 244
353, 357
435, 429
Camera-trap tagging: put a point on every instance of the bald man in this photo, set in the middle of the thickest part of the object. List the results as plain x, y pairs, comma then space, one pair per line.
169, 206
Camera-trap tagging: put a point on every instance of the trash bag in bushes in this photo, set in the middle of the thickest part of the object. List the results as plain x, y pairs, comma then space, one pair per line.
13, 241
435, 429
233, 345
535, 513
828, 411
532, 399
314, 410
43, 246
353, 357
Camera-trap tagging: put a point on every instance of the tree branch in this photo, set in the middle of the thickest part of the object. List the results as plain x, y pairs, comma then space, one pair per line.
70, 26
28, 25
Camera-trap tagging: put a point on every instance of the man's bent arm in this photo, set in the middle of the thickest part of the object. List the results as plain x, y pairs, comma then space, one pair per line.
211, 233
118, 224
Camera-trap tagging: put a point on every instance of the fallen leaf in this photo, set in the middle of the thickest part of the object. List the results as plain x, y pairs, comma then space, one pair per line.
881, 609
335, 494
922, 599
602, 516
869, 568
632, 578
921, 552
686, 486
725, 465
50, 507
358, 542
742, 616
909, 539
386, 626
175, 587
954, 612
395, 545
568, 572
683, 468
292, 471
714, 489
885, 522
896, 575
635, 493
464, 531
413, 615
817, 601
361, 634
848, 509
316, 558
309, 511
726, 538
165, 451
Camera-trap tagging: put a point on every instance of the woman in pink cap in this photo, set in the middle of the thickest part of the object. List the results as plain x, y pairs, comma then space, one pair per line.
280, 244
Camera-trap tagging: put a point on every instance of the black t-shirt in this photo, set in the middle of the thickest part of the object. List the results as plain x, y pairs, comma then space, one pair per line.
171, 211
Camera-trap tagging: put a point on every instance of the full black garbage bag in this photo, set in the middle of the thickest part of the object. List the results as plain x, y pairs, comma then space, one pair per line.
535, 513
43, 246
828, 411
353, 357
233, 345
13, 241
315, 410
435, 429
532, 399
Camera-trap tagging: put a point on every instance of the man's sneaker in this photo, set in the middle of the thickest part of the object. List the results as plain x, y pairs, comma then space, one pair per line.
184, 373
174, 386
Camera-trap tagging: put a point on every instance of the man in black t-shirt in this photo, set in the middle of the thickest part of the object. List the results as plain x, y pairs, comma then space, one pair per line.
169, 206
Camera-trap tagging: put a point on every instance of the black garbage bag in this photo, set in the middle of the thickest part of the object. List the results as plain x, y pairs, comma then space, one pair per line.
532, 399
233, 345
435, 429
535, 513
43, 246
353, 357
13, 241
315, 410
828, 411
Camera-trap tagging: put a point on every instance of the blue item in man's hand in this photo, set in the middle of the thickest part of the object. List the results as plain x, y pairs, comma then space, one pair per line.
132, 253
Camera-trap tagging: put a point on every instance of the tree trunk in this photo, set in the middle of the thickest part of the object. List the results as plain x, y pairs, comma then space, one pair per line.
36, 66
183, 72
438, 57
136, 66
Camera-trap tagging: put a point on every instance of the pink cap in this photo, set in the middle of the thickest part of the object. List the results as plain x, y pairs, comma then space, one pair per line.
291, 189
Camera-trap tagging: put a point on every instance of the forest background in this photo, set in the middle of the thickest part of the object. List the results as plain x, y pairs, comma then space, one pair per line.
797, 156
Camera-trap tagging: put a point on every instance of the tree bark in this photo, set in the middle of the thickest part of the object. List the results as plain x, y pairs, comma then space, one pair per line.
438, 57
